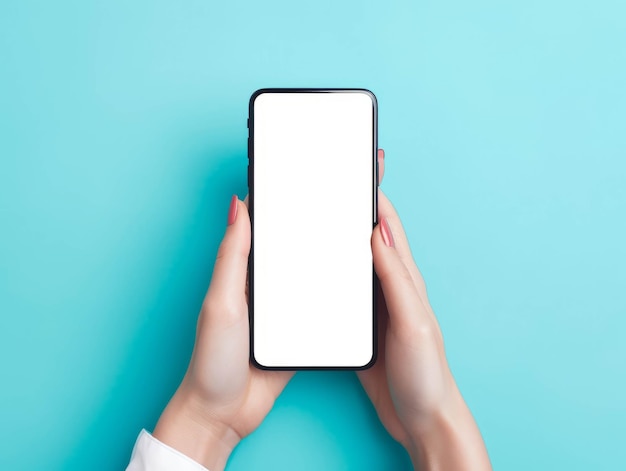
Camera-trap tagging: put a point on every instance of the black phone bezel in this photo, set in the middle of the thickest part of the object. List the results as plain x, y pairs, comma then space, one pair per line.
375, 180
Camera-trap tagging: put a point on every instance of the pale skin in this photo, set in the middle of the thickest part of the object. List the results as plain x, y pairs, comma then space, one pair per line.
222, 398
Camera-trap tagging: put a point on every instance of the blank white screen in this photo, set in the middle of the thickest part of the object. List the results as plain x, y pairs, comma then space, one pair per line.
313, 175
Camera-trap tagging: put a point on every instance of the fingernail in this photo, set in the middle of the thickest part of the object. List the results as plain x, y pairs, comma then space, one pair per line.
232, 211
386, 233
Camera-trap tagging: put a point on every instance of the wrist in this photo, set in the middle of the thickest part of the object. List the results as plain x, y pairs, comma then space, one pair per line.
429, 433
188, 427
448, 438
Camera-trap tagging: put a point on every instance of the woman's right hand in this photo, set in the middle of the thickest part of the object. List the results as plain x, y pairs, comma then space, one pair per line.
411, 385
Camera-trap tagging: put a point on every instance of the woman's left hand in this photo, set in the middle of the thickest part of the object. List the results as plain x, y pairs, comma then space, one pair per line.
222, 398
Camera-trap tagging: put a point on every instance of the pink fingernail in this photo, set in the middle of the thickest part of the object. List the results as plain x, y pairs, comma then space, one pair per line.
232, 211
386, 233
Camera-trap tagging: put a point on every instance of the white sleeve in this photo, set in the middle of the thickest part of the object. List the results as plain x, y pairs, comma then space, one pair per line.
149, 454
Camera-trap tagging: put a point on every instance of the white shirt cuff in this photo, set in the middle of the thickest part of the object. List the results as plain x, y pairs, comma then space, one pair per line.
149, 454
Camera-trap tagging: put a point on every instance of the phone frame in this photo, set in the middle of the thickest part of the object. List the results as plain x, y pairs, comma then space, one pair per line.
375, 287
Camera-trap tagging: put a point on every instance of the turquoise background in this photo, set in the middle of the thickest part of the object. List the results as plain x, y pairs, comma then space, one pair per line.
123, 135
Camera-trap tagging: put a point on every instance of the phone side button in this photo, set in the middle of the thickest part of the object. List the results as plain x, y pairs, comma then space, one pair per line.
377, 175
248, 173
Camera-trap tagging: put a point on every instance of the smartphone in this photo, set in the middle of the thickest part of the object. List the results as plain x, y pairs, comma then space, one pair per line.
313, 178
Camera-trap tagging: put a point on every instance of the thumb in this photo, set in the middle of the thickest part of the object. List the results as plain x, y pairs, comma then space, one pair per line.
228, 283
406, 309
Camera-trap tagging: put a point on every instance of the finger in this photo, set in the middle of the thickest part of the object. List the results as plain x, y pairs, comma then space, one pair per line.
388, 212
407, 312
245, 201
228, 283
381, 165
222, 338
